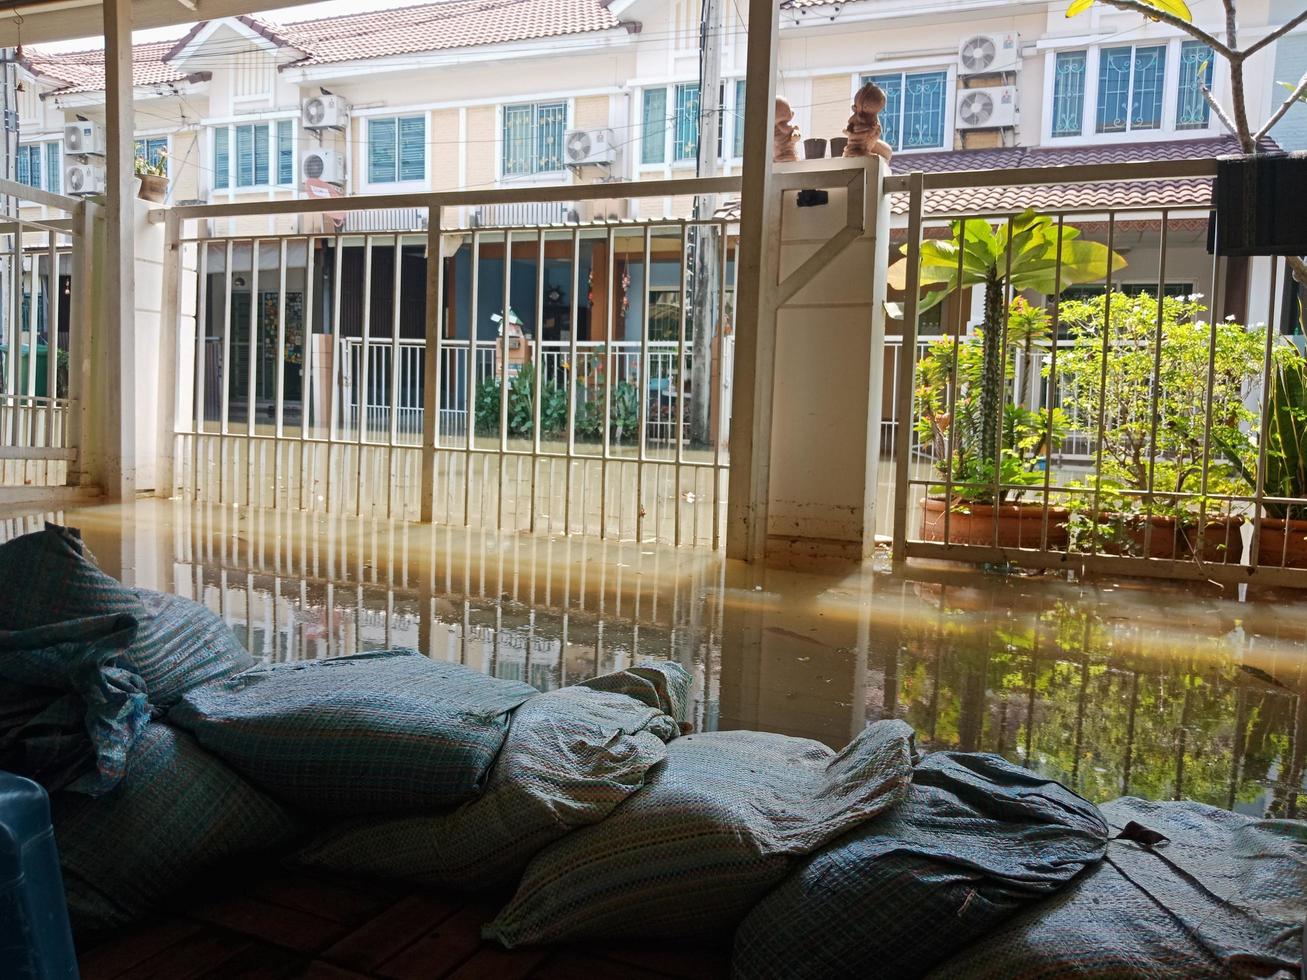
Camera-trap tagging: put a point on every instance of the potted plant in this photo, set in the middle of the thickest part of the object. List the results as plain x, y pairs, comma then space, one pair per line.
987, 430
153, 175
1158, 446
952, 429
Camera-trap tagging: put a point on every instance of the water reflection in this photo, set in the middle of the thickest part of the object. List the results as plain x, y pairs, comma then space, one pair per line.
1110, 688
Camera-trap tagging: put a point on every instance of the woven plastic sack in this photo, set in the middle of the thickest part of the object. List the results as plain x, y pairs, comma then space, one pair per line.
1190, 892
379, 733
661, 684
178, 811
716, 826
47, 578
570, 758
181, 644
976, 840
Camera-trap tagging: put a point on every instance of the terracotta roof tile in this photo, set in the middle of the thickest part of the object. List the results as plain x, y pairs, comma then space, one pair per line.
83, 71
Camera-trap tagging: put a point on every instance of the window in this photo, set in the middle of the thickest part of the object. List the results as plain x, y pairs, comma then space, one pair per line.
1069, 93
533, 138
653, 130
685, 141
249, 156
31, 171
1191, 108
914, 108
737, 134
1130, 85
153, 150
397, 149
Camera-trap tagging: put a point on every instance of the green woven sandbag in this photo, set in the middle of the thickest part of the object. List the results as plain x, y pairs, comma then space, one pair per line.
177, 812
48, 578
378, 733
570, 758
716, 826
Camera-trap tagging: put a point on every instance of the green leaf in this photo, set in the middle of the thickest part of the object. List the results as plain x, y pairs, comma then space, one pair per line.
1291, 88
1177, 8
1079, 7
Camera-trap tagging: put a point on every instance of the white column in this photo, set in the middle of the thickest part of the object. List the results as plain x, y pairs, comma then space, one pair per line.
118, 352
755, 319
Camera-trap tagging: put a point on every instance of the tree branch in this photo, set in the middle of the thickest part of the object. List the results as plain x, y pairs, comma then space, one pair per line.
1152, 13
1298, 93
1275, 35
1220, 113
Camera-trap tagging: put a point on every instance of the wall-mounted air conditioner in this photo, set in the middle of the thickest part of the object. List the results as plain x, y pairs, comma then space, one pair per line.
84, 138
982, 54
84, 178
324, 112
987, 108
325, 165
589, 146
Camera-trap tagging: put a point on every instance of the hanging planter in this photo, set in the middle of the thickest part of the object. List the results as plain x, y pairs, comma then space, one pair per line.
152, 188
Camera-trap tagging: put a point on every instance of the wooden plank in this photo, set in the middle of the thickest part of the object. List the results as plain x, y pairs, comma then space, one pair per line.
571, 965
258, 919
191, 959
349, 903
441, 950
258, 961
121, 956
493, 963
372, 944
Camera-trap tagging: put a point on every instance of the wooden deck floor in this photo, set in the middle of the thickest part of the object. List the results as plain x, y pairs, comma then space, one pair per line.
285, 925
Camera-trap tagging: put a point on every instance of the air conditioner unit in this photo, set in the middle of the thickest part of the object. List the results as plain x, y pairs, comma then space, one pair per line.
589, 146
84, 138
987, 108
325, 165
324, 112
986, 53
84, 178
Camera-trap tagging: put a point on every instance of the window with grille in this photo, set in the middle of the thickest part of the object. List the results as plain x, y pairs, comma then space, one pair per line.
1069, 92
1191, 108
533, 138
685, 142
253, 155
915, 106
1131, 82
1125, 88
153, 150
397, 149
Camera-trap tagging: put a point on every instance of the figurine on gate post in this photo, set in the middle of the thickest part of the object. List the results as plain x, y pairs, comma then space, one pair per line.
785, 135
864, 129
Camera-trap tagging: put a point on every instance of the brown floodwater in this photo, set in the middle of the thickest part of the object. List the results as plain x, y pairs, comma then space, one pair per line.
1112, 687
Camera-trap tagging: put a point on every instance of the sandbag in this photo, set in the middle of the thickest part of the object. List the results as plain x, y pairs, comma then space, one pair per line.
1223, 895
716, 826
661, 684
570, 758
378, 733
976, 839
177, 812
50, 580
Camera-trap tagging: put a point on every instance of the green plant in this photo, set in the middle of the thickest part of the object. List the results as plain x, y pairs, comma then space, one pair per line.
953, 428
153, 168
1151, 395
1285, 437
1028, 253
521, 406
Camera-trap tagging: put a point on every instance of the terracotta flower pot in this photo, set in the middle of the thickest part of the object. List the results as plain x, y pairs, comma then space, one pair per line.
1274, 551
1019, 525
153, 188
1222, 540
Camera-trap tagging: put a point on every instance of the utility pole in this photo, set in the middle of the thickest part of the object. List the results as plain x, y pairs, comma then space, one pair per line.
705, 241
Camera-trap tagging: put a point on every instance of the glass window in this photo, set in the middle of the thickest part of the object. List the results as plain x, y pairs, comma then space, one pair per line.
1069, 93
685, 145
914, 108
54, 167
1130, 84
285, 151
738, 133
29, 165
653, 132
221, 158
1191, 109
397, 149
258, 156
533, 138
153, 150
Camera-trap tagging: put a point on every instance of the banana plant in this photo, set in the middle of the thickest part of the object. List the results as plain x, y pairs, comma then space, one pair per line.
1029, 253
1286, 435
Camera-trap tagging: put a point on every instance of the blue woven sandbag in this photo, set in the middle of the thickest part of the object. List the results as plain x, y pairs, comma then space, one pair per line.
178, 811
571, 757
975, 840
379, 733
180, 644
46, 578
1190, 892
716, 826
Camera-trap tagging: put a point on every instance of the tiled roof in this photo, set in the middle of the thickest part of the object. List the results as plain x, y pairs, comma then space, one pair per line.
1047, 197
83, 71
442, 26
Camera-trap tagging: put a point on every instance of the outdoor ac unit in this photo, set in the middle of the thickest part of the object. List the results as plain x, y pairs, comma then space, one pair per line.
987, 108
324, 112
986, 53
589, 146
84, 138
325, 165
84, 178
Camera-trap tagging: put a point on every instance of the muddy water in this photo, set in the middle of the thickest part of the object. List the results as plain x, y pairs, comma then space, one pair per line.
1112, 687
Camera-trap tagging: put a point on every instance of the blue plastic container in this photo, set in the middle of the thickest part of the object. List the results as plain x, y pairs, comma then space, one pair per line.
36, 942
